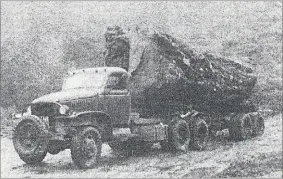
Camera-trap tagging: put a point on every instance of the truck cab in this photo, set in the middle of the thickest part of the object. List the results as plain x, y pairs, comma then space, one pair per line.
101, 90
91, 103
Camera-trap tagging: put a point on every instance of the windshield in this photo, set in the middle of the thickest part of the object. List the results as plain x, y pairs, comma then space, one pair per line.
83, 80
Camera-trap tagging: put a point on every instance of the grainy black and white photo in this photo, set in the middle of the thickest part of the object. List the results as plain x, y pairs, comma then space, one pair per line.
141, 89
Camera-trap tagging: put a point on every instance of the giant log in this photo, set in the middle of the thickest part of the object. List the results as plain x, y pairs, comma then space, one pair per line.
170, 75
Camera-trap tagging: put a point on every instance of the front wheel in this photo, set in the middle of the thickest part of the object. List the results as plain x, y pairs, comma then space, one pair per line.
30, 139
86, 147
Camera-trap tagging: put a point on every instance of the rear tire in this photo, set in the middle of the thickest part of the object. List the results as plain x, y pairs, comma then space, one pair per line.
240, 127
86, 147
258, 125
166, 146
54, 147
200, 134
30, 139
179, 136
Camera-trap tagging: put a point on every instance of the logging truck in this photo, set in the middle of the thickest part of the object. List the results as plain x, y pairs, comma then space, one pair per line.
92, 108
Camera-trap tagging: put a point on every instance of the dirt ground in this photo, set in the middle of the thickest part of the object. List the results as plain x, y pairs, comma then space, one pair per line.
258, 157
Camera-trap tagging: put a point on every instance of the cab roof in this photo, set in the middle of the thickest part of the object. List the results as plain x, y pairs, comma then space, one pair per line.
99, 70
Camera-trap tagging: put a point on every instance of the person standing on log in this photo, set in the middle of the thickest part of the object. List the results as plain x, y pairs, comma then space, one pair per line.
117, 48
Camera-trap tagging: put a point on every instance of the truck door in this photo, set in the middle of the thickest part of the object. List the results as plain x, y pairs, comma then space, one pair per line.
117, 99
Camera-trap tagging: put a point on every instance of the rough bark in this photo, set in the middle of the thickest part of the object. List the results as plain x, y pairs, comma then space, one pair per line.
171, 75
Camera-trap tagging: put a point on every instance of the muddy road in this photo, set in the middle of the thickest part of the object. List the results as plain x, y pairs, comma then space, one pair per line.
258, 157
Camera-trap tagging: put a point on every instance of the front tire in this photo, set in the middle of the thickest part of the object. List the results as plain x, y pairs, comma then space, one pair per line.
30, 139
86, 147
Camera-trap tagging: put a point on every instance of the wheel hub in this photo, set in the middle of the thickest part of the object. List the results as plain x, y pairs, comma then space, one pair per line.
89, 147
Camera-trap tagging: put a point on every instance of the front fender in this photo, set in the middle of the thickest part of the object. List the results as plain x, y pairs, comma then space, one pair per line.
90, 114
98, 119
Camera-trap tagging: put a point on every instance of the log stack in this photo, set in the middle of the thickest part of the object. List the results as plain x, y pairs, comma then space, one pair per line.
170, 75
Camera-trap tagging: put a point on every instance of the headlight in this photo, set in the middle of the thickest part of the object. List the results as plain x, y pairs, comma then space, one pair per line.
63, 109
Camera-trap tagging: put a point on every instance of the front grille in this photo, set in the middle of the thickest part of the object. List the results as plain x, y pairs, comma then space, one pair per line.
77, 103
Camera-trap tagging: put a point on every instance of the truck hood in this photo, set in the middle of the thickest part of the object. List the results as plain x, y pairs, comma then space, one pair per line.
68, 95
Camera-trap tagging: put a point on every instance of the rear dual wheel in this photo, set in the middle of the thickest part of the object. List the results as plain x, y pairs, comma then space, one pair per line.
179, 136
182, 136
200, 134
258, 125
246, 126
241, 127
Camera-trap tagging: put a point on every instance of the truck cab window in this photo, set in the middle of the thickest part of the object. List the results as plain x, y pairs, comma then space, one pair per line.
116, 82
